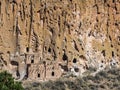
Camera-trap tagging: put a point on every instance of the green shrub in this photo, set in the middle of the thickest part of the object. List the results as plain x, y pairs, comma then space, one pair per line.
60, 85
114, 71
7, 82
92, 69
103, 74
93, 87
71, 85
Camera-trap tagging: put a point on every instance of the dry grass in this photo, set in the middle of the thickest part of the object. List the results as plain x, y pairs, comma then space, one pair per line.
104, 80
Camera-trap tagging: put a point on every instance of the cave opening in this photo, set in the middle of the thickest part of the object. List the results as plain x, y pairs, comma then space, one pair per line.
65, 57
49, 50
74, 60
76, 69
14, 63
103, 52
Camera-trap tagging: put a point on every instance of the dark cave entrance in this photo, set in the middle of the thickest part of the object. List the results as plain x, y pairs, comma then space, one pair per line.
38, 75
53, 73
65, 57
74, 60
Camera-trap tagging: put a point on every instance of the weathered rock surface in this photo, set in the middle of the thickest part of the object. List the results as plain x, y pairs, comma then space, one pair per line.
46, 38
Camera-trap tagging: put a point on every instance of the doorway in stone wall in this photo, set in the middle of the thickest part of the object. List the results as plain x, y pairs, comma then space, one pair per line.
53, 73
27, 75
27, 49
38, 75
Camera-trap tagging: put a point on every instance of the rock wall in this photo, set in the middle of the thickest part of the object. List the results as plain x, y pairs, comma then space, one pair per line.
76, 33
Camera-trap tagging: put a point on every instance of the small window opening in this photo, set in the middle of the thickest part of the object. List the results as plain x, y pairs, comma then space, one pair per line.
44, 62
111, 45
53, 74
38, 75
32, 61
74, 60
27, 49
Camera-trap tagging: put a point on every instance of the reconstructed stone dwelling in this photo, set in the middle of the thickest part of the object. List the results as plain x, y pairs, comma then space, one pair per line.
31, 67
42, 70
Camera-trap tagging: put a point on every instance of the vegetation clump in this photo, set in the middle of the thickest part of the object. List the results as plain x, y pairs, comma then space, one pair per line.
103, 80
7, 82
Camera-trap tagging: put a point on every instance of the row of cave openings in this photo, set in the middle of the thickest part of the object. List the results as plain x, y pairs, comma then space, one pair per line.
104, 54
64, 57
52, 74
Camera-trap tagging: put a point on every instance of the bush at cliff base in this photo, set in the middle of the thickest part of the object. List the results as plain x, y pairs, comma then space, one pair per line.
7, 82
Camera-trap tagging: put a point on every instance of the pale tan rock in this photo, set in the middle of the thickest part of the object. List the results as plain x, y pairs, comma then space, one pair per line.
42, 34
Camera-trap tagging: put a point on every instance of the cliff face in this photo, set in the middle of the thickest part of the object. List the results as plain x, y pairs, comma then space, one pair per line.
75, 34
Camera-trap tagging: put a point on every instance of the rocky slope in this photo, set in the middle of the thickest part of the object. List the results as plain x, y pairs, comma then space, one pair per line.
77, 34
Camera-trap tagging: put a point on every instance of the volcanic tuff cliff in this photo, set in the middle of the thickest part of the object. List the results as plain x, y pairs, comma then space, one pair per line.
74, 34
